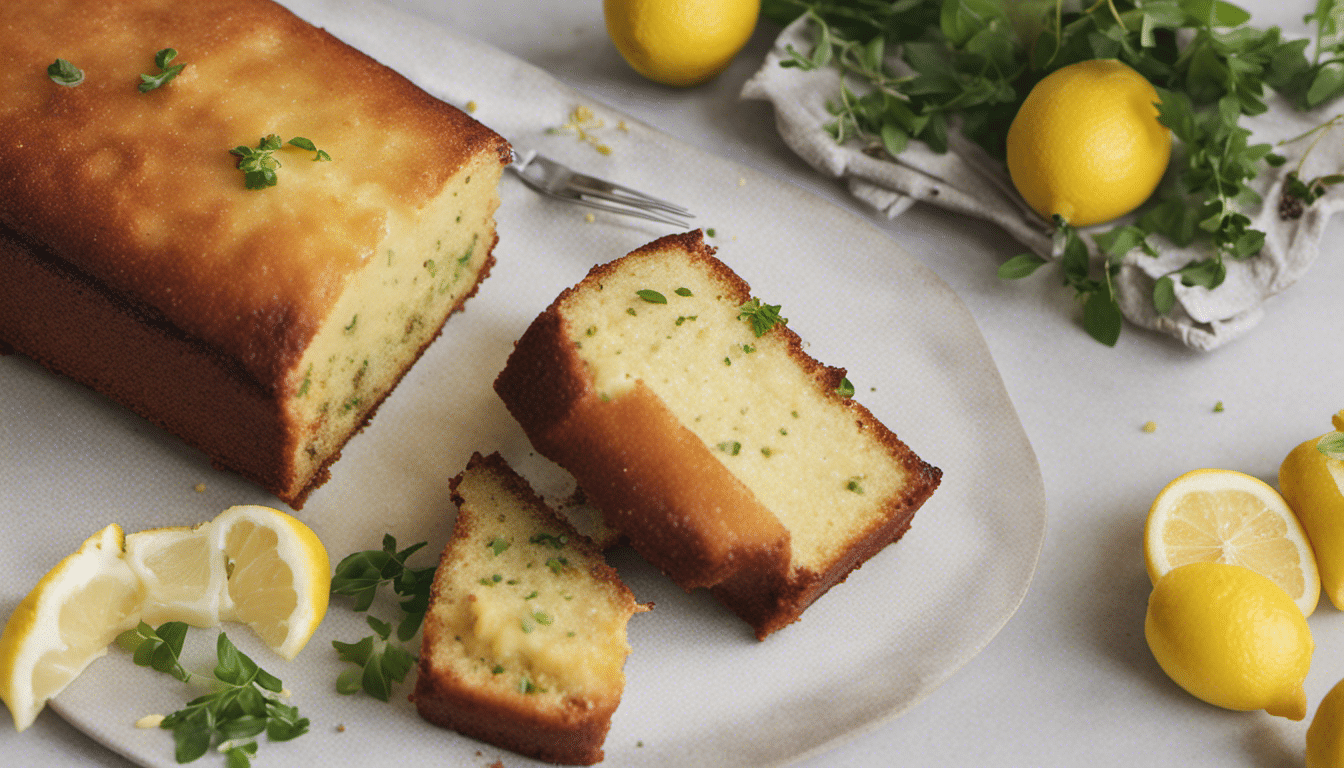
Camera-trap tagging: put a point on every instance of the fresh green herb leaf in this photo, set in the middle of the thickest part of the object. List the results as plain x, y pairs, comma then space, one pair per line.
683, 292
763, 317
159, 649
259, 164
498, 544
242, 703
65, 73
1332, 445
379, 661
166, 73
651, 296
732, 447
846, 389
1020, 266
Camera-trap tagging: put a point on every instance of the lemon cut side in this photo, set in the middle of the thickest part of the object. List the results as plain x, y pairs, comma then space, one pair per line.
66, 622
251, 564
279, 577
1223, 516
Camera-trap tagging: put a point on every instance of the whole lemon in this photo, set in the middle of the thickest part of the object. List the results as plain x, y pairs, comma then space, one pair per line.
680, 42
1313, 485
1231, 637
1325, 737
1086, 143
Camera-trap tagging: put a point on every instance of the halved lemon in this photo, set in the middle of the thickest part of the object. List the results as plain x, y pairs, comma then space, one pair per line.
185, 578
279, 575
66, 622
1224, 516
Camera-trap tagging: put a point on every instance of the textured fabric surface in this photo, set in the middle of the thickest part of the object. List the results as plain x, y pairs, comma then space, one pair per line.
968, 181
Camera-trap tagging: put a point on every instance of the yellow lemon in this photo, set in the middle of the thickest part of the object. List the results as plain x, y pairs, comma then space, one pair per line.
1313, 485
279, 575
184, 578
1219, 515
66, 622
1086, 143
1325, 736
680, 42
1230, 637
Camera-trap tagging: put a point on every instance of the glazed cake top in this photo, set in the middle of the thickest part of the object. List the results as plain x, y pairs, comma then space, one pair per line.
139, 190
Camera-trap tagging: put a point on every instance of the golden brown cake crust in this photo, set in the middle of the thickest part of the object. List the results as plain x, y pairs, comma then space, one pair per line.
98, 174
642, 472
571, 733
137, 263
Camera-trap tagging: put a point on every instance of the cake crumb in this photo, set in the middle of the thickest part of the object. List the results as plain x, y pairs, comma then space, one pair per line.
590, 218
199, 488
340, 727
471, 106
1150, 426
1218, 407
149, 721
741, 182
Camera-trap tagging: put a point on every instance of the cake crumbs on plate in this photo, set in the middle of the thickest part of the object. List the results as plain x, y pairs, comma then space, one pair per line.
1150, 426
1218, 407
471, 107
590, 218
199, 487
582, 122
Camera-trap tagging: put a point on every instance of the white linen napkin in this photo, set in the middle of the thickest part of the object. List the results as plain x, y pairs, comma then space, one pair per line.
968, 181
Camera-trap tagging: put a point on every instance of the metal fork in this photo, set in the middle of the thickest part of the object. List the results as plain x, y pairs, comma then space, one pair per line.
551, 178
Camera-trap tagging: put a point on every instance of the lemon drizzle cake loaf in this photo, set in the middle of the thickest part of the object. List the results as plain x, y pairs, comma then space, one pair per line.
728, 458
261, 325
525, 638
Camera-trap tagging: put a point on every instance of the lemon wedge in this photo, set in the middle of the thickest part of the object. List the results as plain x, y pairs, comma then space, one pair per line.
279, 575
66, 622
184, 579
1223, 516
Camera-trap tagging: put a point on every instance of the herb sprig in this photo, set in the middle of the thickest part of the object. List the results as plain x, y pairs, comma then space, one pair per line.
972, 62
63, 72
166, 73
1332, 445
242, 705
379, 662
762, 317
259, 164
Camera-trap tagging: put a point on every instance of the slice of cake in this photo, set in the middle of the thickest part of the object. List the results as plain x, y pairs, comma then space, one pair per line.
261, 324
524, 641
690, 415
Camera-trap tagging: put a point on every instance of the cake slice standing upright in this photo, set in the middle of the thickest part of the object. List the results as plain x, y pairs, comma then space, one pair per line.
688, 412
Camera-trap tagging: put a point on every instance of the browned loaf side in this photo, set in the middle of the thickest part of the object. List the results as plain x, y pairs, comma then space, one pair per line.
262, 326
525, 637
728, 460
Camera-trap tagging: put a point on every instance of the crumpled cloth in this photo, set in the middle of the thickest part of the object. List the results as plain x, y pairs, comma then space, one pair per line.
968, 181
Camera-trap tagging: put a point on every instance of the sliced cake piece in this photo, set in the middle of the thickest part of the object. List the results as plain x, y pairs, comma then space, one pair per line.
525, 638
144, 255
690, 415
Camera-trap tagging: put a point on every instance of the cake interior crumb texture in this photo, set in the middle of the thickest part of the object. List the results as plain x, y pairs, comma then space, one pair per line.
263, 326
659, 338
525, 639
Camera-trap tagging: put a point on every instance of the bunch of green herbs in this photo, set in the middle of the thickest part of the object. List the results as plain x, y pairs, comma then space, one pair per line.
243, 703
924, 68
379, 660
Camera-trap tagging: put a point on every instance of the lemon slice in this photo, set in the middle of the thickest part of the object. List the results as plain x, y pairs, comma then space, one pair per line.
279, 575
184, 577
66, 622
1223, 516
